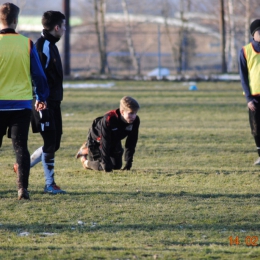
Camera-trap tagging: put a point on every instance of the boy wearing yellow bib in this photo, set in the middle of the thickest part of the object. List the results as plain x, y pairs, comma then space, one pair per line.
249, 62
19, 64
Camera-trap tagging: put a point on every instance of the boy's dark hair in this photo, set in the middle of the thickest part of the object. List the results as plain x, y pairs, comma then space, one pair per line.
254, 26
8, 13
52, 18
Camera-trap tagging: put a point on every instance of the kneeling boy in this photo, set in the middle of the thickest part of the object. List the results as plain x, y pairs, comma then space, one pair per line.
103, 150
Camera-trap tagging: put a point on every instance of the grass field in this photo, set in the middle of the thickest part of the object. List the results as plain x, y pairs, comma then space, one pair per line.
193, 192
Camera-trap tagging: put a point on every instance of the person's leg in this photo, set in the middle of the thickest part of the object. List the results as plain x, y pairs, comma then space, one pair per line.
48, 155
18, 132
94, 165
254, 120
1, 140
48, 162
42, 122
4, 116
93, 161
51, 147
56, 114
36, 157
23, 162
47, 125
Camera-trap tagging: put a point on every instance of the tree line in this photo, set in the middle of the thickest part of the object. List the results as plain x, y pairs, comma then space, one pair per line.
229, 18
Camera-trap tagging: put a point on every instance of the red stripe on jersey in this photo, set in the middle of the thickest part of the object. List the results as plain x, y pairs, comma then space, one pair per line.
110, 114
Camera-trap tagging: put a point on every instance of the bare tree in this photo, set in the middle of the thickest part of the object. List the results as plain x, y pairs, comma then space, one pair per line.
66, 52
177, 45
129, 39
247, 20
178, 17
223, 36
99, 20
168, 32
179, 41
231, 38
250, 10
183, 45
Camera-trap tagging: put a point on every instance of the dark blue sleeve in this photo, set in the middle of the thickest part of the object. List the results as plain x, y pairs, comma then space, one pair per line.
243, 71
38, 76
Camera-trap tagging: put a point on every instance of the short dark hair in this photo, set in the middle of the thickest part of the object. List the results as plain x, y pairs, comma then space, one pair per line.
8, 13
254, 26
52, 18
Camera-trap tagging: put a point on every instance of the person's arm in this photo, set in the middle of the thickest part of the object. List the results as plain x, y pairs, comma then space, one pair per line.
130, 144
43, 51
38, 76
243, 71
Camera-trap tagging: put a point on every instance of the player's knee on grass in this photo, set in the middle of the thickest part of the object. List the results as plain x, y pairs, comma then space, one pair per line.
95, 165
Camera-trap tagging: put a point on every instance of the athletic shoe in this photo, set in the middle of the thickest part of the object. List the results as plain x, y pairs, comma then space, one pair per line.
84, 162
83, 151
23, 194
257, 162
54, 189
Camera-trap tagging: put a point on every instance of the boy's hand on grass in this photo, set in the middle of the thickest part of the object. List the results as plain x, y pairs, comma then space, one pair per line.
127, 167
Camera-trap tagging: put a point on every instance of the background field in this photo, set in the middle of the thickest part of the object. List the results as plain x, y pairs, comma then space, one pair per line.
192, 186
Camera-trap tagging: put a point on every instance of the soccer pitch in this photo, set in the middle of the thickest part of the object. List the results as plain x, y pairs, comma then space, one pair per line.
192, 193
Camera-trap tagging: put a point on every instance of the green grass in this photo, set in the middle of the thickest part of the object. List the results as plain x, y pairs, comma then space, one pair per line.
192, 186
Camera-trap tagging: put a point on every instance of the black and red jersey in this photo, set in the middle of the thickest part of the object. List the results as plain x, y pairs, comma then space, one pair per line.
111, 129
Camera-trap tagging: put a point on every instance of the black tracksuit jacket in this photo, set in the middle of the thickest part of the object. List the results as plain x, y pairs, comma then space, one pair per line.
109, 131
51, 63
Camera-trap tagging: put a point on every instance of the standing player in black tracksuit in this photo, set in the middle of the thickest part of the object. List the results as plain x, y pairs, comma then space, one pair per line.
103, 147
249, 65
49, 122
